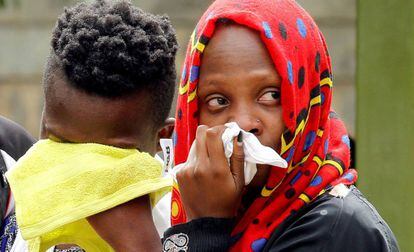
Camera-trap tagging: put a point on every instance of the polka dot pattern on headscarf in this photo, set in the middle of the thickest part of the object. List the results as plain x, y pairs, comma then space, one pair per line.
315, 143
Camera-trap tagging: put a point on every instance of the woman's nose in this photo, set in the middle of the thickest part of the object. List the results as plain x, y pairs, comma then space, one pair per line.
248, 123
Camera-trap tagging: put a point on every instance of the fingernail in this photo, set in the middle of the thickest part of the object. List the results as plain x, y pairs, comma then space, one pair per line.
240, 137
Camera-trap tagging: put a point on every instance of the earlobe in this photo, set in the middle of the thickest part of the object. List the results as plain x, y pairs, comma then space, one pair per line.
168, 128
166, 131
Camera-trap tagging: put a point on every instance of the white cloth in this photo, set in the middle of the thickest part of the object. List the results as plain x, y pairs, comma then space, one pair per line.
254, 152
161, 214
161, 211
10, 162
19, 244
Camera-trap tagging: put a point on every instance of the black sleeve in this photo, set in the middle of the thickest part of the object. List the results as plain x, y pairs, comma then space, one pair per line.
14, 139
204, 235
338, 224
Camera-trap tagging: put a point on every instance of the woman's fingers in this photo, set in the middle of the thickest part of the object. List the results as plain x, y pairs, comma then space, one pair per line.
201, 148
215, 151
209, 186
237, 161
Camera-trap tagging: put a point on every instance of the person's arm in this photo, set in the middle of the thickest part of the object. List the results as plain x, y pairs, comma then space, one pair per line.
211, 191
128, 227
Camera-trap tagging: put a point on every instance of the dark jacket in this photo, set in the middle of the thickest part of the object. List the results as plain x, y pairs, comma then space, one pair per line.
329, 223
14, 140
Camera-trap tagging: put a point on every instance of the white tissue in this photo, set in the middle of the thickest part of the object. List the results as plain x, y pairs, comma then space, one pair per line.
254, 152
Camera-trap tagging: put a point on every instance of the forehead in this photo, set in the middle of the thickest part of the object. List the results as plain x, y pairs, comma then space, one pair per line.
234, 44
236, 53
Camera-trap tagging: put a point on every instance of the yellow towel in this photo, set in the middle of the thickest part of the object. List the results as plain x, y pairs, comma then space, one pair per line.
57, 185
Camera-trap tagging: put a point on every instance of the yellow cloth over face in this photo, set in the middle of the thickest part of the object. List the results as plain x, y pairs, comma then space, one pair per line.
57, 185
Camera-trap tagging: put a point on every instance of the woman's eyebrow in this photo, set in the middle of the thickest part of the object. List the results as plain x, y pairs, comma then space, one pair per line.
266, 77
213, 79
211, 84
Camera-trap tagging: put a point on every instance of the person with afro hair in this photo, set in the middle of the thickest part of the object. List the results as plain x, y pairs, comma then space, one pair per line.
109, 80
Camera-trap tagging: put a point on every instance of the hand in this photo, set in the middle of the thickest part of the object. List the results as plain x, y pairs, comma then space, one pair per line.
209, 185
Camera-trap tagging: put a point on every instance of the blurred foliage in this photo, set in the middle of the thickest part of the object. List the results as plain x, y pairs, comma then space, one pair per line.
6, 4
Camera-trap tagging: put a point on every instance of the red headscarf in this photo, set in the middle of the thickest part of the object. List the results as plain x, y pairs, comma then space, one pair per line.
315, 143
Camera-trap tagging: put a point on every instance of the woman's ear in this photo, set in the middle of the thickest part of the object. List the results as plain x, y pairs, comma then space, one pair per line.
166, 131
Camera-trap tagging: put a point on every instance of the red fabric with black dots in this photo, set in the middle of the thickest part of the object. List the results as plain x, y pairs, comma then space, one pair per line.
315, 144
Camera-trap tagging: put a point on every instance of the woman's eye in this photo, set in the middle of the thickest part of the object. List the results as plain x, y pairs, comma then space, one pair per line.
270, 96
217, 101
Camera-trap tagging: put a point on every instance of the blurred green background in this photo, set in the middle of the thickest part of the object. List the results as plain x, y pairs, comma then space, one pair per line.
385, 111
374, 97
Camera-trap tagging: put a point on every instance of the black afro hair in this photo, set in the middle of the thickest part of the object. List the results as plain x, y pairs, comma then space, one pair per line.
111, 49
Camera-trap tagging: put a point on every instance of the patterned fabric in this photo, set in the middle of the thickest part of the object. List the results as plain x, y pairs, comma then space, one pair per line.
315, 143
9, 232
71, 249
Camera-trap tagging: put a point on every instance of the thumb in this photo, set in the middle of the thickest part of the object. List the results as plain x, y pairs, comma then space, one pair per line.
237, 161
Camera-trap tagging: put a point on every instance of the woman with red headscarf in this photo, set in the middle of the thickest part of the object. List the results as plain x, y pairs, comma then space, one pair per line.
265, 65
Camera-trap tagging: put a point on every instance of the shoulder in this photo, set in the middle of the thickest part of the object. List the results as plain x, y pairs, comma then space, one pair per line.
359, 223
330, 223
14, 140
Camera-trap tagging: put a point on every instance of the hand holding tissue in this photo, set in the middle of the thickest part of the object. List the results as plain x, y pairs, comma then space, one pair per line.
254, 152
